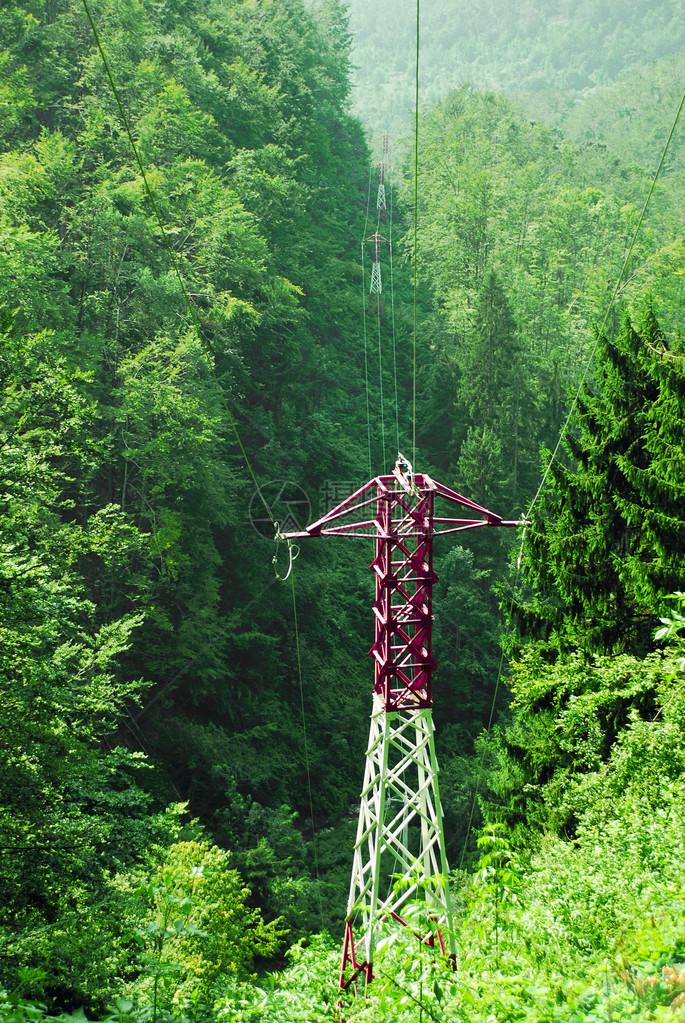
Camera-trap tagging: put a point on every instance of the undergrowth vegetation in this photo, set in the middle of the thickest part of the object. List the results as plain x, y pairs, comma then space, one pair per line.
580, 927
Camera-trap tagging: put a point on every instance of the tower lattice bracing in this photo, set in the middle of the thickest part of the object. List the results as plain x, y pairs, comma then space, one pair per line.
399, 853
376, 287
381, 204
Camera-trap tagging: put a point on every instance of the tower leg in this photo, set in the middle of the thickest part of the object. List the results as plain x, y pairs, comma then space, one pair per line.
400, 834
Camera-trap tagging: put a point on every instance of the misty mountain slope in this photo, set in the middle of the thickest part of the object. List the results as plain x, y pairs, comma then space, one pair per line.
549, 55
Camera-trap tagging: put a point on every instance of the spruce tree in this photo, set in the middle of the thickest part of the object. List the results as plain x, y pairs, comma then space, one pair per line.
606, 543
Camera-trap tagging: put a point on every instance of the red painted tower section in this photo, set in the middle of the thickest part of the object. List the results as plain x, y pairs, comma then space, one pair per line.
403, 567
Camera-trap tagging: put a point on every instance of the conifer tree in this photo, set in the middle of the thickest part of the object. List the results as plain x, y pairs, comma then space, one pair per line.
607, 543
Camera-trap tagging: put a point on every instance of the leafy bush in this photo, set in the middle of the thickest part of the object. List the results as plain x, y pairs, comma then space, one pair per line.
198, 934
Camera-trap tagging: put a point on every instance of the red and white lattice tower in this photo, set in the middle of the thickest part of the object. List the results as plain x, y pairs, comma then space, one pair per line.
381, 204
376, 287
400, 830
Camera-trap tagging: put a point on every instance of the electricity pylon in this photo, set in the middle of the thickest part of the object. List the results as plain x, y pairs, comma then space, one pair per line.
376, 287
381, 204
400, 829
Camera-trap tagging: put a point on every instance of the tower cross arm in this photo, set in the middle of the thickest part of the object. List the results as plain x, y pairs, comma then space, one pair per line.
365, 496
401, 489
376, 236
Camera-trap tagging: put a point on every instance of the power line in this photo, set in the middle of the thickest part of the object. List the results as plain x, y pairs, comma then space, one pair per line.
416, 222
562, 434
610, 307
392, 317
306, 751
366, 365
174, 261
366, 348
380, 384
231, 419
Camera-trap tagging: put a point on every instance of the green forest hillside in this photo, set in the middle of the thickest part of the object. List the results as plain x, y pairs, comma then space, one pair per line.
187, 357
551, 56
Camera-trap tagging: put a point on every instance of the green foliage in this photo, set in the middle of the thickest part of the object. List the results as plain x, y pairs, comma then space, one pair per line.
673, 629
521, 236
199, 935
305, 991
576, 65
65, 779
495, 889
606, 544
128, 551
583, 930
146, 648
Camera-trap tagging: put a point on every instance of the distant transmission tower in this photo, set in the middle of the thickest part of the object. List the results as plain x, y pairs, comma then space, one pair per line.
376, 287
381, 204
400, 829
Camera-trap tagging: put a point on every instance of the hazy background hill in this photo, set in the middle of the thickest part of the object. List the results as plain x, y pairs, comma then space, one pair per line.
598, 69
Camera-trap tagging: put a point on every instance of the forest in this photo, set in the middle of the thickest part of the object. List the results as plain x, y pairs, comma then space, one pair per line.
560, 60
186, 188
